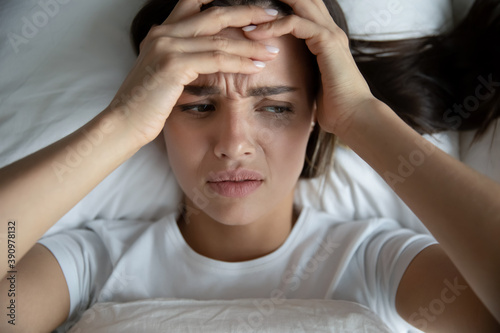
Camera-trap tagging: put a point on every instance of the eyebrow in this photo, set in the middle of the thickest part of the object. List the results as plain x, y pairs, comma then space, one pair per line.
259, 91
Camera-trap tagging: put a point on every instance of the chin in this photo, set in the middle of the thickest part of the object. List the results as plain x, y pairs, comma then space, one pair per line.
235, 214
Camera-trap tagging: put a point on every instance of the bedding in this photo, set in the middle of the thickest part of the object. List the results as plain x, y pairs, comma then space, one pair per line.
247, 315
396, 19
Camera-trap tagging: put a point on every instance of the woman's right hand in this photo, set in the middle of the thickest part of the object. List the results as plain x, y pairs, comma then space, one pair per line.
175, 53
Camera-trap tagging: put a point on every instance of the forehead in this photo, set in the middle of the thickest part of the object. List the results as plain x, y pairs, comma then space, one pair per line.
291, 67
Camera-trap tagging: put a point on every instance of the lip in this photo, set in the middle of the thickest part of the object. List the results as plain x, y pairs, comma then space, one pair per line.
235, 183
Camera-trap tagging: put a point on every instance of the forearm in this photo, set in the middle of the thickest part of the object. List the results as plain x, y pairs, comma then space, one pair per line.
459, 206
38, 190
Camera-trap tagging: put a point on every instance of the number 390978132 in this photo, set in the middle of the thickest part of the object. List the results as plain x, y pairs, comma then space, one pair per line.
11, 247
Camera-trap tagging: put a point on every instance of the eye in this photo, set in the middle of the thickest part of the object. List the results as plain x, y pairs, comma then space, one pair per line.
197, 108
276, 109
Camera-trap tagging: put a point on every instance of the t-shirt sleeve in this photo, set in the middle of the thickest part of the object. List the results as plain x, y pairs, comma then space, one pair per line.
379, 263
85, 263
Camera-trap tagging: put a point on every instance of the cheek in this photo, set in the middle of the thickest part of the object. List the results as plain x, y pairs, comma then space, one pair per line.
286, 149
184, 151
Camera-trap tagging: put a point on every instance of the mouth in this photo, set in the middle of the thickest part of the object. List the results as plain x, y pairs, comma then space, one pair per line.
235, 184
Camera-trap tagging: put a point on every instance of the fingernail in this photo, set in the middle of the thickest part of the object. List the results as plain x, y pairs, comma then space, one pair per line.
272, 49
249, 28
259, 64
272, 12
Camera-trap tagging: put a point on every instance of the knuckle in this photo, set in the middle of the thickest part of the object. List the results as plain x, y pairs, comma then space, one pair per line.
155, 32
340, 35
219, 57
325, 35
254, 11
221, 43
250, 8
166, 63
155, 29
161, 44
243, 62
254, 45
291, 20
216, 12
220, 16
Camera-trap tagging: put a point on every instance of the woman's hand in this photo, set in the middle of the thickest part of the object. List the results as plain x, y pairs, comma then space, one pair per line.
175, 53
344, 90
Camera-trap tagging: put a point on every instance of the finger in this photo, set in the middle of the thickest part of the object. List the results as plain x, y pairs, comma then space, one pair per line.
314, 34
313, 10
240, 47
185, 8
299, 27
216, 19
194, 64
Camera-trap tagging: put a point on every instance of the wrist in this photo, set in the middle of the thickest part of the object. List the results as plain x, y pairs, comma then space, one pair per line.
365, 115
113, 125
379, 136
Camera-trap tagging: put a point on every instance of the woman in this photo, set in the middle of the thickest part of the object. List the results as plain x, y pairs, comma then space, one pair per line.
237, 123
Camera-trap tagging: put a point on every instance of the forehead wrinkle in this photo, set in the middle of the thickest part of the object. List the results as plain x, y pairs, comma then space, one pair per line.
229, 85
201, 90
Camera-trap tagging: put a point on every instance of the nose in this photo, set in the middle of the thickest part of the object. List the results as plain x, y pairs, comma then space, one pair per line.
234, 139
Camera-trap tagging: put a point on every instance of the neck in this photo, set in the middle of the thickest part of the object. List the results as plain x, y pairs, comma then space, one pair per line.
233, 243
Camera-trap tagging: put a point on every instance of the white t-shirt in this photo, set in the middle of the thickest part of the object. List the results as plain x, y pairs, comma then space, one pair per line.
120, 261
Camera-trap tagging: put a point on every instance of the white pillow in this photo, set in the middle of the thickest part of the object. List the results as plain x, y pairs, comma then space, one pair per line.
396, 19
354, 191
238, 316
59, 75
63, 62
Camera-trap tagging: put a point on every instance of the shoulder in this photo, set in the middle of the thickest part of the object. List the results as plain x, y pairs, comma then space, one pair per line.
369, 237
119, 235
319, 220
124, 229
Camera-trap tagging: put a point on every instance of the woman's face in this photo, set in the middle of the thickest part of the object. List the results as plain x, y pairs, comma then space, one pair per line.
236, 143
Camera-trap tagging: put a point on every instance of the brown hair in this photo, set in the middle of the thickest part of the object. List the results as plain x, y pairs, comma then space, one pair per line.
320, 147
432, 83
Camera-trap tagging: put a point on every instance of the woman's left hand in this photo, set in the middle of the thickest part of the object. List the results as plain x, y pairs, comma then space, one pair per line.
344, 89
